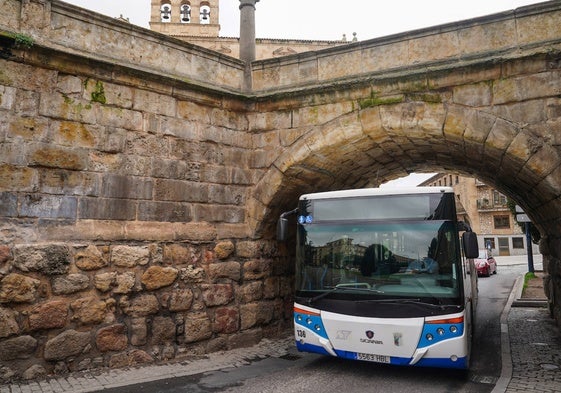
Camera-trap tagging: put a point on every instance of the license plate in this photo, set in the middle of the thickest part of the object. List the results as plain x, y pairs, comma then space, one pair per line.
370, 357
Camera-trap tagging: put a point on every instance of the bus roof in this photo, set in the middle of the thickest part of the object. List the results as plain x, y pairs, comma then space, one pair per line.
361, 192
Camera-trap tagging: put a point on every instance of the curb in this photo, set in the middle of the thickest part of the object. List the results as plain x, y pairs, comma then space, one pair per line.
506, 357
519, 302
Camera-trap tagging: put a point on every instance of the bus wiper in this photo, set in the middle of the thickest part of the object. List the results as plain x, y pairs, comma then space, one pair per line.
417, 302
339, 288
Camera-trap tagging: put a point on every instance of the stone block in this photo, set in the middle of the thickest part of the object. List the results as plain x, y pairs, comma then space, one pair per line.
49, 259
70, 183
8, 323
51, 156
125, 283
91, 310
163, 330
50, 315
177, 254
139, 331
7, 97
47, 206
164, 211
217, 294
130, 256
103, 282
156, 277
256, 269
250, 292
67, 344
126, 187
219, 213
132, 358
226, 320
181, 300
112, 338
15, 177
180, 191
245, 339
16, 288
69, 284
8, 204
197, 327
90, 258
192, 274
140, 306
22, 347
106, 209
224, 249
229, 270
254, 314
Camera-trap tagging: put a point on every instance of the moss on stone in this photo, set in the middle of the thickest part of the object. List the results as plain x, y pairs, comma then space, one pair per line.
374, 100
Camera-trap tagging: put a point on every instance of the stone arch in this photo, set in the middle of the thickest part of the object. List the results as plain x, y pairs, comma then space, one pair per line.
373, 144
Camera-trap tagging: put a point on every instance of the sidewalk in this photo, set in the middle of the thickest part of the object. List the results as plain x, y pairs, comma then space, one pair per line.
530, 345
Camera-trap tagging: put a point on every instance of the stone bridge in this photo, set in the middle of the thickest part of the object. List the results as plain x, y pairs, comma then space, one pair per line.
141, 181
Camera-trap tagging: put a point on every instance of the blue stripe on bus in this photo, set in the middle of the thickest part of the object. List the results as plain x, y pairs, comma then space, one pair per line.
460, 363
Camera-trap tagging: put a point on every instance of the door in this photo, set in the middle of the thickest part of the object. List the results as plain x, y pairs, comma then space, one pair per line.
504, 249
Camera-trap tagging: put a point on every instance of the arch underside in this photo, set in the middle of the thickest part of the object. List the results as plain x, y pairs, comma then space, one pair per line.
367, 147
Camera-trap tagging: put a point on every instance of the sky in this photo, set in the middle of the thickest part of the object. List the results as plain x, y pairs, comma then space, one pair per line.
327, 20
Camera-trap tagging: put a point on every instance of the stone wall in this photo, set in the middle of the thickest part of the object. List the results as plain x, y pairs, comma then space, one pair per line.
68, 307
123, 234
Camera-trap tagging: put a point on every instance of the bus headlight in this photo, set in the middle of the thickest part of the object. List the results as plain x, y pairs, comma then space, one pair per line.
453, 329
440, 331
429, 337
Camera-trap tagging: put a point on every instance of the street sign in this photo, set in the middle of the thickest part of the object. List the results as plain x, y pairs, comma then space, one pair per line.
521, 216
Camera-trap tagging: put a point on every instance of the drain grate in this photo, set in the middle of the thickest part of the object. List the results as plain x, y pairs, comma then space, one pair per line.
291, 356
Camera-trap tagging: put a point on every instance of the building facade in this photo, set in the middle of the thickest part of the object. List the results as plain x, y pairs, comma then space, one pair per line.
197, 22
486, 210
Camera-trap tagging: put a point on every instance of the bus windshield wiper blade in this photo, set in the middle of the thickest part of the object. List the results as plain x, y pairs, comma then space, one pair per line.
417, 302
337, 288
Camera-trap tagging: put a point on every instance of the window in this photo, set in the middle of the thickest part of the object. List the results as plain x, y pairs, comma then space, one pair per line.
185, 13
489, 242
517, 242
165, 12
457, 179
501, 222
499, 199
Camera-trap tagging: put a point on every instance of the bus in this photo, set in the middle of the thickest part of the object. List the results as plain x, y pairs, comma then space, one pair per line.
384, 276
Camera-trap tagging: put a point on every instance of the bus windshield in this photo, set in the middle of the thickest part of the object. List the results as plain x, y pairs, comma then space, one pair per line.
405, 255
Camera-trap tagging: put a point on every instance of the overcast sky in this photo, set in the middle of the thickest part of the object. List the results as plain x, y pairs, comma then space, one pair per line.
327, 20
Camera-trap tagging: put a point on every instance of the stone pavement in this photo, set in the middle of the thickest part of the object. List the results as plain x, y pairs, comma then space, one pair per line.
530, 343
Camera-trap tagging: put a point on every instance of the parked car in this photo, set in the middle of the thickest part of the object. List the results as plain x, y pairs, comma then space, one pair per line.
485, 264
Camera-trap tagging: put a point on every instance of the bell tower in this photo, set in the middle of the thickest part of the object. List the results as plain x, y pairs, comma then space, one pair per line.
185, 18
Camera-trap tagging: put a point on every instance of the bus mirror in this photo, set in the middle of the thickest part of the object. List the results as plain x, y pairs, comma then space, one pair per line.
282, 229
469, 241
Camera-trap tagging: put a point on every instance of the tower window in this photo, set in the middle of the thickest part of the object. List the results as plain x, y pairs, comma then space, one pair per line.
165, 12
204, 17
185, 13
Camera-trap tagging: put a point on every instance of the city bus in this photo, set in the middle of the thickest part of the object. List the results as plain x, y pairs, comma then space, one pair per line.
384, 276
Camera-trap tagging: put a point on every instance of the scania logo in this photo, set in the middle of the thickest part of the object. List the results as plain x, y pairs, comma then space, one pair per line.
370, 338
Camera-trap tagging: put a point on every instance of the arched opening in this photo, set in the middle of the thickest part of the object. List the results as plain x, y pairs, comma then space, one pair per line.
373, 145
165, 12
204, 14
185, 12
